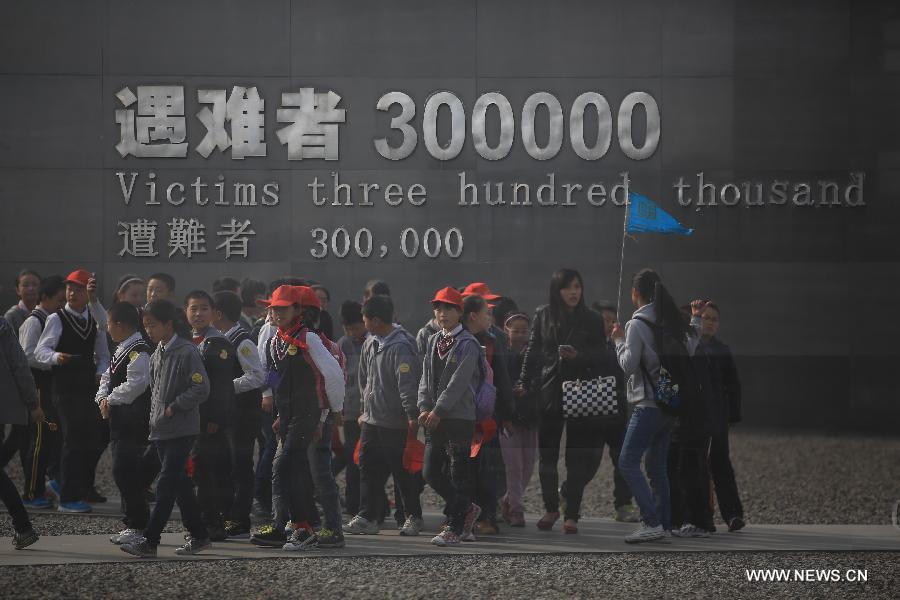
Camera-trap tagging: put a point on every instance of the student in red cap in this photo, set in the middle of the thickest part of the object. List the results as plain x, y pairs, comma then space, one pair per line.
72, 345
446, 404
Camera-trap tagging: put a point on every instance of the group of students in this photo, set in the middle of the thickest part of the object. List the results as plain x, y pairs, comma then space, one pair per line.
184, 394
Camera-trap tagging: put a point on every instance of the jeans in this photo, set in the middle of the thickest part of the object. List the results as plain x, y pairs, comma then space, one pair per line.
723, 478
519, 456
241, 436
381, 454
327, 491
175, 486
292, 484
78, 415
649, 431
343, 461
262, 490
127, 455
447, 469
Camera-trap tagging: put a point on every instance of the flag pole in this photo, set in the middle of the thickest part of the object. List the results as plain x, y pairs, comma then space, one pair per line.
622, 258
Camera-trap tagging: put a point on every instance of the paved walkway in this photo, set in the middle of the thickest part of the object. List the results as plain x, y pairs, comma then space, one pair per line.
595, 535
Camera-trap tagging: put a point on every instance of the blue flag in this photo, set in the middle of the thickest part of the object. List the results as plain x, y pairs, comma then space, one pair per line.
644, 216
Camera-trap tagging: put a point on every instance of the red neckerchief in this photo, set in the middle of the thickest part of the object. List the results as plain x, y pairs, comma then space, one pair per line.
290, 336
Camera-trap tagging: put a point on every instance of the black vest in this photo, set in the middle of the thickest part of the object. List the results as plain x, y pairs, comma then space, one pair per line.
131, 421
42, 379
295, 386
219, 359
245, 400
79, 374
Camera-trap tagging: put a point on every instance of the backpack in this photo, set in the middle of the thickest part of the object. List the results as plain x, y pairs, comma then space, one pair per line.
678, 388
486, 394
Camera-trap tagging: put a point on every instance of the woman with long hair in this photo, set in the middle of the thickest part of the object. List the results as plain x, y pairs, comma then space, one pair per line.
567, 343
649, 429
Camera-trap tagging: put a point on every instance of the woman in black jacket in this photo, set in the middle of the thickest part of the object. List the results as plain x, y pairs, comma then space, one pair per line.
567, 343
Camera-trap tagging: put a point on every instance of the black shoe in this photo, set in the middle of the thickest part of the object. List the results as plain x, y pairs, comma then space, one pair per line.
216, 533
736, 524
235, 530
24, 539
192, 546
92, 496
141, 549
330, 539
269, 537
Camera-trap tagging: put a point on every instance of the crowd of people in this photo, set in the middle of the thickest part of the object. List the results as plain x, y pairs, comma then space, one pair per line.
241, 402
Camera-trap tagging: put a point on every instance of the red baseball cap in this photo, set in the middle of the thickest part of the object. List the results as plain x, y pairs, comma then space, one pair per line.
309, 297
449, 295
480, 289
79, 277
284, 295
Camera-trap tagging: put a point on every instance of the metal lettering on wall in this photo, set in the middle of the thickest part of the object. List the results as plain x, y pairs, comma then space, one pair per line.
153, 124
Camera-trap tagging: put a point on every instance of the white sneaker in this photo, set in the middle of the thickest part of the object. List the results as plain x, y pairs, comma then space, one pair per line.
359, 525
413, 526
690, 531
468, 536
645, 534
126, 536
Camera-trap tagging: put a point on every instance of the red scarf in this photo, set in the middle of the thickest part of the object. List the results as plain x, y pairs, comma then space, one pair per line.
289, 336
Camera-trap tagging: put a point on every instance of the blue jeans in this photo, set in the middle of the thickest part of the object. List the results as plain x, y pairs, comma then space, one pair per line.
327, 492
648, 433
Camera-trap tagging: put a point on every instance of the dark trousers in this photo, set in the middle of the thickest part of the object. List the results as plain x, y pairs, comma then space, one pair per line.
381, 455
78, 415
41, 451
344, 460
292, 483
327, 492
13, 502
447, 469
15, 440
585, 439
211, 476
241, 438
263, 488
94, 457
174, 486
723, 478
689, 482
490, 478
127, 457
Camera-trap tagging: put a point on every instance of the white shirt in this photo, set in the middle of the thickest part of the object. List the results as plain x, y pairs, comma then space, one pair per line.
99, 314
330, 370
29, 334
46, 348
254, 376
137, 378
266, 333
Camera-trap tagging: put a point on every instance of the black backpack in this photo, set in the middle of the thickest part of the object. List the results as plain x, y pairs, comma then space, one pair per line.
678, 389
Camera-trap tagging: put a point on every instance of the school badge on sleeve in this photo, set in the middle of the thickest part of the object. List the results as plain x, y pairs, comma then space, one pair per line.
292, 350
247, 351
133, 356
197, 378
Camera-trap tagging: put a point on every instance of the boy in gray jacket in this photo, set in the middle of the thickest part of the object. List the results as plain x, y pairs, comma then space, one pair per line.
450, 374
389, 372
178, 385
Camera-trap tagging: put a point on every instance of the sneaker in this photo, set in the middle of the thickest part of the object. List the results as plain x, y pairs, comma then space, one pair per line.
413, 526
445, 538
471, 518
546, 522
92, 496
690, 531
52, 490
24, 539
645, 534
126, 536
193, 546
302, 540
216, 533
236, 531
269, 537
627, 514
38, 503
360, 525
74, 507
140, 548
486, 527
468, 536
736, 524
330, 539
516, 519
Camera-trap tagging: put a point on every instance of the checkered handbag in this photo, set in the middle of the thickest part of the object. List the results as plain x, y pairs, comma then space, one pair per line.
590, 398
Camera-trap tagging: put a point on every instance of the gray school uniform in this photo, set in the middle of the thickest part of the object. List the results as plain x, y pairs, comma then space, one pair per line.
178, 379
452, 397
389, 373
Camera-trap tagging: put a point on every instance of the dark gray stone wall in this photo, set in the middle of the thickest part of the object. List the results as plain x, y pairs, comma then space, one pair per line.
792, 90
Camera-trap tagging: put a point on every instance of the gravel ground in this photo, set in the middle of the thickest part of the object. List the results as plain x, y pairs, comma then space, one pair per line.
801, 479
686, 575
